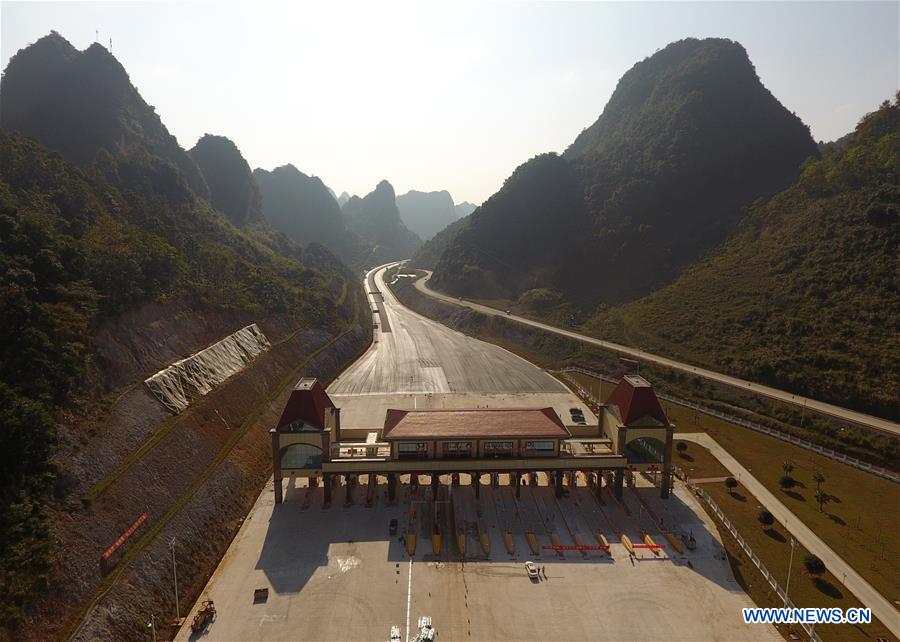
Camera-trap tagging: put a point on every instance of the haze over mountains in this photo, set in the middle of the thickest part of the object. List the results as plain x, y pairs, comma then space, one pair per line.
105, 112
303, 208
695, 217
806, 294
109, 231
653, 228
232, 188
376, 218
427, 213
689, 138
81, 102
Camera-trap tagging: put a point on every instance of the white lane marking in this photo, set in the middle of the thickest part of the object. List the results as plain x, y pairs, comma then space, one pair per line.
347, 563
408, 599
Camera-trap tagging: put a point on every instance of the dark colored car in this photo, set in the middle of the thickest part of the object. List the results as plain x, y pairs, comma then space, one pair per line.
392, 527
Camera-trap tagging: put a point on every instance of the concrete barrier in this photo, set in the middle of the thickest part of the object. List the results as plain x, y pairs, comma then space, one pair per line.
485, 538
649, 542
626, 542
436, 543
508, 540
554, 539
675, 542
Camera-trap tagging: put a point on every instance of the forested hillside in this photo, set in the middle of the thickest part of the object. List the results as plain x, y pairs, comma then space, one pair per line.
232, 189
304, 209
89, 244
377, 219
806, 296
688, 140
430, 252
80, 102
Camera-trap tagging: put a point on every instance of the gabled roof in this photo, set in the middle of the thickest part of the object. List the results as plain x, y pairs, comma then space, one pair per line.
635, 403
308, 402
474, 423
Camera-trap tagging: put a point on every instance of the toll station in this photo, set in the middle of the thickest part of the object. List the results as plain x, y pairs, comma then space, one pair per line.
632, 434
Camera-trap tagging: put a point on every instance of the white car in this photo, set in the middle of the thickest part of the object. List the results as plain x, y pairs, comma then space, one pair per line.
532, 570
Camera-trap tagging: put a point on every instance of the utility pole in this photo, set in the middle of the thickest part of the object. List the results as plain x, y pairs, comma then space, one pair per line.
175, 577
790, 565
152, 626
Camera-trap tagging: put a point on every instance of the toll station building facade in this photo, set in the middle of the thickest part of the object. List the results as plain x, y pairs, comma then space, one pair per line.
632, 434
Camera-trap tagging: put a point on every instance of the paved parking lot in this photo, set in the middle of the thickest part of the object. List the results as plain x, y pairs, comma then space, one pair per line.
337, 574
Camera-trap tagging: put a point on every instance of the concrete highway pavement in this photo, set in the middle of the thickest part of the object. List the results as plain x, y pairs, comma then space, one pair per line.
881, 607
337, 574
862, 419
418, 355
415, 362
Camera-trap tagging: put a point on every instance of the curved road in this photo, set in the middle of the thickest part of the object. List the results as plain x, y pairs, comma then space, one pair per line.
865, 592
415, 355
862, 419
415, 362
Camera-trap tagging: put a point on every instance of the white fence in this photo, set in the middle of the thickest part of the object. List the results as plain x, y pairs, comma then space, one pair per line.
711, 504
827, 452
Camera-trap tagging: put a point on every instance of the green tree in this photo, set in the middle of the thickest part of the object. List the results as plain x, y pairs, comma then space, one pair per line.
787, 482
787, 467
731, 483
822, 498
819, 478
681, 447
765, 519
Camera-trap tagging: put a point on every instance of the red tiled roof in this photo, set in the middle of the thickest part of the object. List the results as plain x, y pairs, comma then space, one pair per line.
634, 399
309, 402
473, 424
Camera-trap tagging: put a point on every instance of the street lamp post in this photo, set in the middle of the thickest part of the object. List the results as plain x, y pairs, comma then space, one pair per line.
152, 626
787, 585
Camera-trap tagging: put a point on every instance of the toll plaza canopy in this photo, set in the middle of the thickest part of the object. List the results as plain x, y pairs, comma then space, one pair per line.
473, 424
632, 431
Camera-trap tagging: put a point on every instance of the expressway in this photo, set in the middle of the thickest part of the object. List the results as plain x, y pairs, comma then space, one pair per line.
859, 418
336, 573
415, 362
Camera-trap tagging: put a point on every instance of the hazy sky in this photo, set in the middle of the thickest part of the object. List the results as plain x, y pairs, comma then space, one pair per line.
449, 96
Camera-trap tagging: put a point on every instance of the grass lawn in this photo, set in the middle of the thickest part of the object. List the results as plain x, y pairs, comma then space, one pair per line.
860, 522
697, 462
773, 548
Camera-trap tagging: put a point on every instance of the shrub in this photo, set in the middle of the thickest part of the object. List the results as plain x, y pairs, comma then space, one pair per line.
787, 482
814, 566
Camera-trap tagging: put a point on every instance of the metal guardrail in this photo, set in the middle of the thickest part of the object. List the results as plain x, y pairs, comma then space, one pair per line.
711, 504
802, 443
